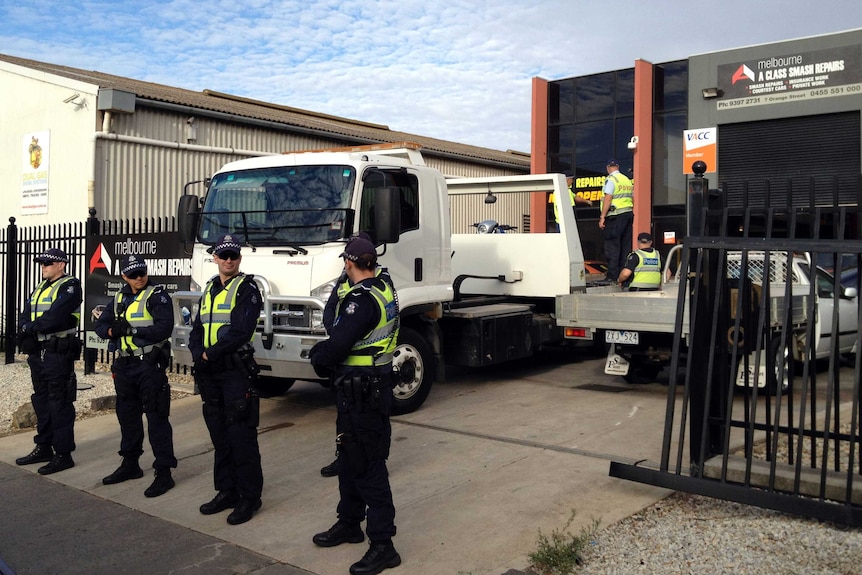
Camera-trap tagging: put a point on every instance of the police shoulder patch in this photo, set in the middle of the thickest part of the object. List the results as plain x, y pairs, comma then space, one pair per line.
70, 289
351, 308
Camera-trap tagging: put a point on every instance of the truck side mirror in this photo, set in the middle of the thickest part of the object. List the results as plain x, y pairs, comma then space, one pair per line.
188, 214
387, 214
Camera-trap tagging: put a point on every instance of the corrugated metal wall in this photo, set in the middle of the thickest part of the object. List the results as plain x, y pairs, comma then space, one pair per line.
143, 180
509, 208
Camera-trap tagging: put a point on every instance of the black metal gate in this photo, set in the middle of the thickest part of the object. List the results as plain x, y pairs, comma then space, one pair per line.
752, 415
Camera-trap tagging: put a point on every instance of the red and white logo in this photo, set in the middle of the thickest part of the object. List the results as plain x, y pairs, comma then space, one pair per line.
101, 259
743, 73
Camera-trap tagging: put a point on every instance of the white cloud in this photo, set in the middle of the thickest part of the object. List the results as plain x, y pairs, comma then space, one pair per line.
459, 70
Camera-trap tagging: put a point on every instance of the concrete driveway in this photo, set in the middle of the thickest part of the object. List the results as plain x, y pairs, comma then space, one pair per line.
492, 457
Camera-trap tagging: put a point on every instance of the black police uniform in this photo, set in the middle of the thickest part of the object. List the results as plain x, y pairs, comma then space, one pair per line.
52, 364
139, 375
224, 380
358, 314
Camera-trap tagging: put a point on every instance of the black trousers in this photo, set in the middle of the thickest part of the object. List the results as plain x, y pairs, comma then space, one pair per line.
367, 494
618, 242
139, 383
54, 391
237, 464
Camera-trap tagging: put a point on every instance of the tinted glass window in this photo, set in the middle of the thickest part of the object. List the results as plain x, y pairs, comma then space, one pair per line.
595, 97
626, 92
561, 102
671, 86
594, 145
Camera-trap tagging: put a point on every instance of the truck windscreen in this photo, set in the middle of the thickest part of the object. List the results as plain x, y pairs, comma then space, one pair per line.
284, 205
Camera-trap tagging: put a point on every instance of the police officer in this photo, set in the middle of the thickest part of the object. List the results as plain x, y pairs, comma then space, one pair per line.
48, 330
139, 324
358, 354
342, 286
617, 218
643, 266
224, 371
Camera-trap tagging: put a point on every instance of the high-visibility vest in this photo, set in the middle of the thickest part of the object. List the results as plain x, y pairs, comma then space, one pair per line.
41, 300
215, 310
648, 271
623, 199
137, 314
377, 346
557, 210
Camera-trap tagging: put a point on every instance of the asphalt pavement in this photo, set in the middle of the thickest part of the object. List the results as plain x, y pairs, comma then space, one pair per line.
492, 457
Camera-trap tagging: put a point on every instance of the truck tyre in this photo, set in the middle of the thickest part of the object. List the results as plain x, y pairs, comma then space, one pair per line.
642, 374
778, 357
415, 371
273, 386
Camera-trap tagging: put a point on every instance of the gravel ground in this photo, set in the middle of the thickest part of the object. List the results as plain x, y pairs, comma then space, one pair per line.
683, 534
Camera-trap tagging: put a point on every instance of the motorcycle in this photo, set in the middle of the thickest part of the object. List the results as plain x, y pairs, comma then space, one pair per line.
492, 227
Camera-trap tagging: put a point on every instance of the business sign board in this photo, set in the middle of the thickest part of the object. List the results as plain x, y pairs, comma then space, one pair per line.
792, 77
167, 264
700, 144
34, 172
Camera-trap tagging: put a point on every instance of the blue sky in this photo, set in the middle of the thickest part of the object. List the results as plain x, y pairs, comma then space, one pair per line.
457, 70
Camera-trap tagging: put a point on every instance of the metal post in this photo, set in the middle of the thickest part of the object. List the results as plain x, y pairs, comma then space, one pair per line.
11, 289
92, 229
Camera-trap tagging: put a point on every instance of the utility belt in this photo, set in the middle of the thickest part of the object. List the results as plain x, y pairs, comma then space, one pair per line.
363, 392
66, 345
243, 359
158, 354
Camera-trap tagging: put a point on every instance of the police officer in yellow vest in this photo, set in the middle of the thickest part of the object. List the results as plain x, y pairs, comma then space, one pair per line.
617, 218
225, 372
48, 333
643, 267
342, 286
358, 355
138, 325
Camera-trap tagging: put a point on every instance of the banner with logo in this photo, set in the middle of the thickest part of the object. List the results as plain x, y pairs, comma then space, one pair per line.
34, 173
701, 144
167, 264
791, 77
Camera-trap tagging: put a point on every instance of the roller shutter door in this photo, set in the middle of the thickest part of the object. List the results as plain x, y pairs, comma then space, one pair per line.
802, 161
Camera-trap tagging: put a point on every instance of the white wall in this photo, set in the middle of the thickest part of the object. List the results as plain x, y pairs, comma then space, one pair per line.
32, 101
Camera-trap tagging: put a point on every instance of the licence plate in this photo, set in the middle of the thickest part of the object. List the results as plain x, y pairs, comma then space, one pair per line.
616, 336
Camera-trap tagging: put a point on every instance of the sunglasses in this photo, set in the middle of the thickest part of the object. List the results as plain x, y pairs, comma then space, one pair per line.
47, 264
228, 256
137, 274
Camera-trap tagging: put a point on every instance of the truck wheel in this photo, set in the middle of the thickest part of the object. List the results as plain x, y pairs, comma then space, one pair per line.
779, 357
641, 375
414, 371
272, 386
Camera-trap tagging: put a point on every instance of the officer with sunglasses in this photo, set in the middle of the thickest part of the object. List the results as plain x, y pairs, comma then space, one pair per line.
48, 333
139, 324
225, 373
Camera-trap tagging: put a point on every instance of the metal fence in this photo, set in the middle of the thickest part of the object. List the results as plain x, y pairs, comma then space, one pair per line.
793, 444
20, 245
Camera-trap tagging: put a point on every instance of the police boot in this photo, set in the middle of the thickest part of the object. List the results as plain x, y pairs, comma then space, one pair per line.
379, 556
161, 484
42, 453
339, 533
244, 510
59, 462
330, 470
128, 469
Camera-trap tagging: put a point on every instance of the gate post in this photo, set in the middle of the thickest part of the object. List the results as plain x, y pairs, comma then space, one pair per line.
11, 290
92, 229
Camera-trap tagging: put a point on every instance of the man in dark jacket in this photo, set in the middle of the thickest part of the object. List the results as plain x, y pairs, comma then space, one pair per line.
225, 370
48, 333
139, 324
358, 354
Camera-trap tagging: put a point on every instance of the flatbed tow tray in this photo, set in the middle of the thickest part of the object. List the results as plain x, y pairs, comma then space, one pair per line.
654, 311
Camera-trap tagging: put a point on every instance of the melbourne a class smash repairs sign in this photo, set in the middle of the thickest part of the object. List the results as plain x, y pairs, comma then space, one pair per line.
167, 264
790, 78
